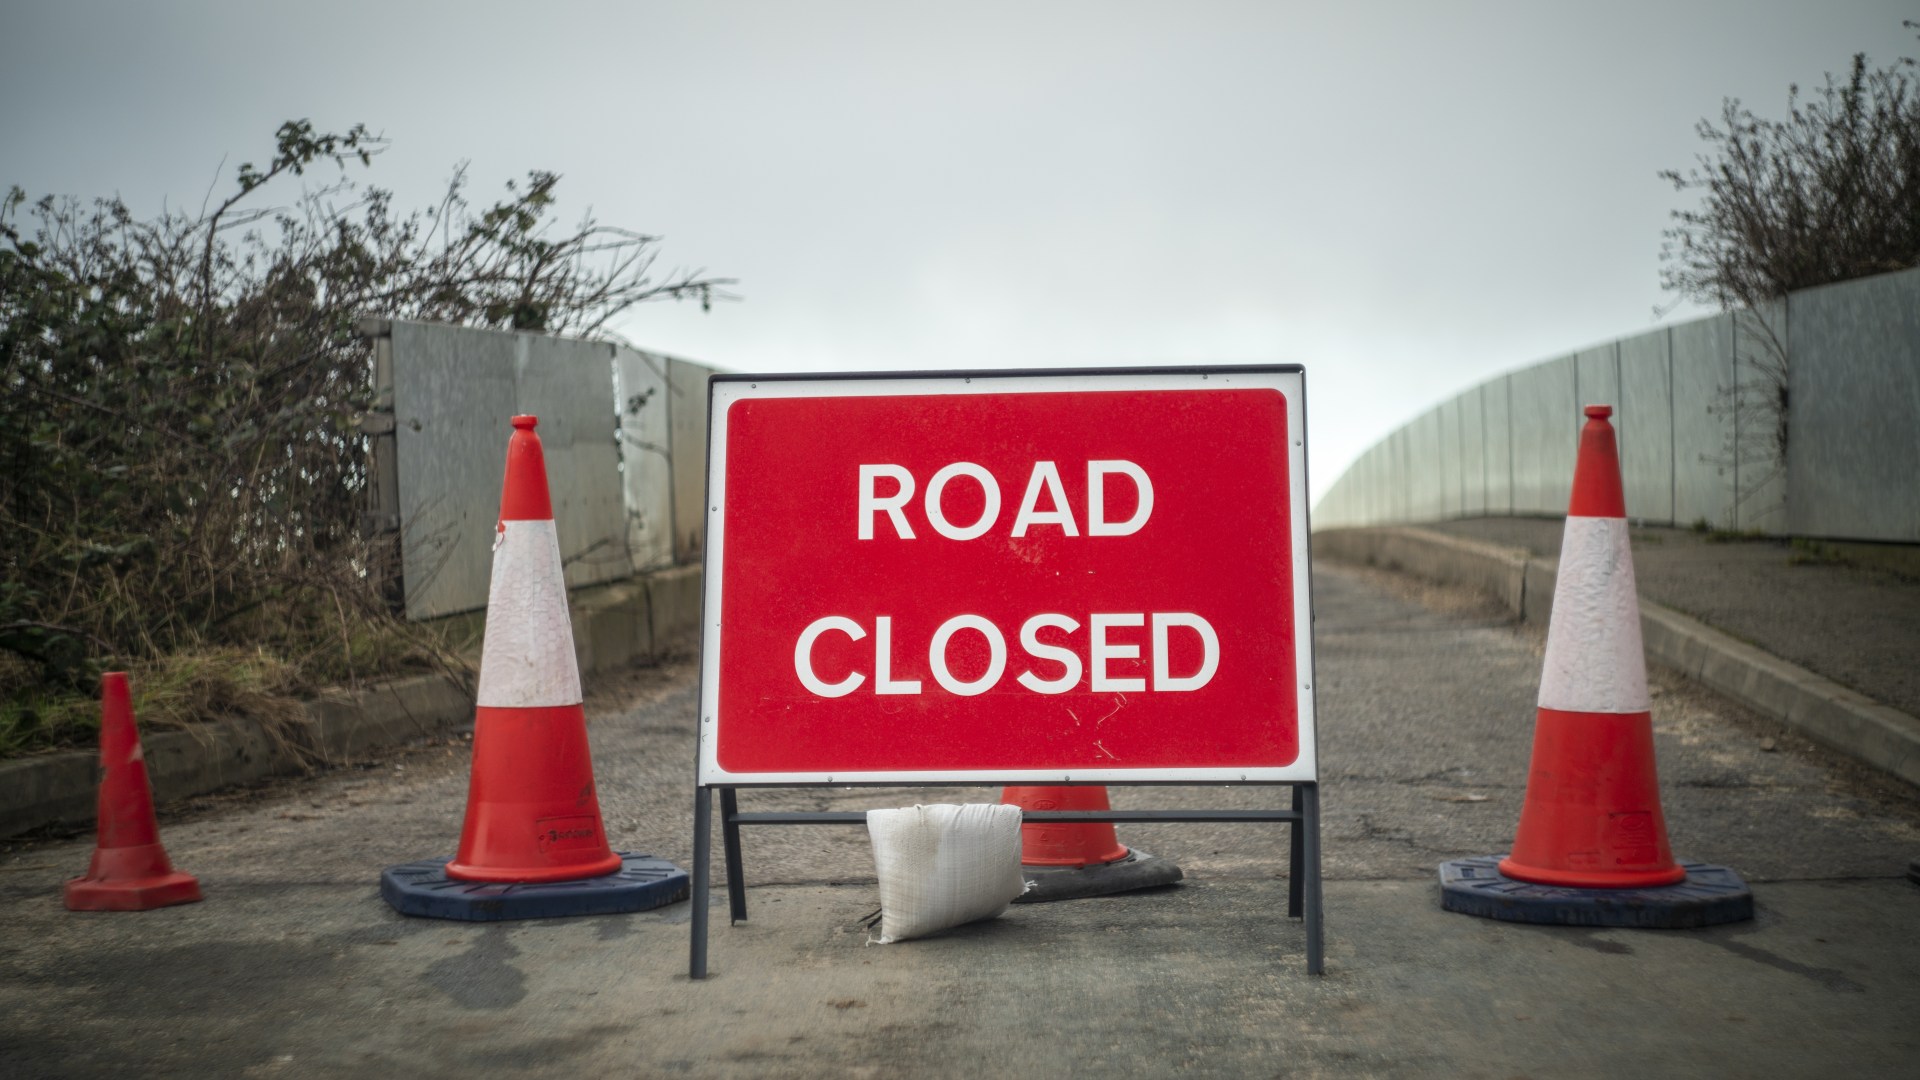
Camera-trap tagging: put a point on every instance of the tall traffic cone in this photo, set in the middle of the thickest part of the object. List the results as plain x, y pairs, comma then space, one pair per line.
130, 870
1064, 861
1592, 816
533, 815
1592, 846
532, 812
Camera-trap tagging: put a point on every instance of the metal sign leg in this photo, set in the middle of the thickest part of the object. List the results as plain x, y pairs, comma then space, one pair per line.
702, 859
1310, 825
1296, 858
730, 843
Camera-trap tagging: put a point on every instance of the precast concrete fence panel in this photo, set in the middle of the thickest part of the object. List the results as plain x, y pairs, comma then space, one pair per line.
1469, 407
452, 391
1453, 459
687, 408
646, 440
1698, 408
1596, 381
568, 384
1427, 483
1646, 442
1760, 467
455, 390
1495, 404
1854, 410
1702, 354
1544, 433
624, 434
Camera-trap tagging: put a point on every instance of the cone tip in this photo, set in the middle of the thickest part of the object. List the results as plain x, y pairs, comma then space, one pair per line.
1599, 412
525, 423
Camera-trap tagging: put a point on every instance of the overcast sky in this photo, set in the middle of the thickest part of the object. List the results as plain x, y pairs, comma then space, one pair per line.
1405, 198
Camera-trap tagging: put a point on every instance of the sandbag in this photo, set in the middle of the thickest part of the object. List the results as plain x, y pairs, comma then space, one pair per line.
944, 865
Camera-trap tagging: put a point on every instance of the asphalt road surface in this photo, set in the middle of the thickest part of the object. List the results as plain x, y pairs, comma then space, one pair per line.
293, 966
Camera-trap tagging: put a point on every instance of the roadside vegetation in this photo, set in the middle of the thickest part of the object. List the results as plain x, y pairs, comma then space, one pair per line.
182, 472
1826, 193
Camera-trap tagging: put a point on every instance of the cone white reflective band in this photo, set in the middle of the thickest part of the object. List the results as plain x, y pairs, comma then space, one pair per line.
1595, 660
527, 658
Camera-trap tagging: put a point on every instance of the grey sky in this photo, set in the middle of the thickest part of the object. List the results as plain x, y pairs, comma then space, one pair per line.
1406, 198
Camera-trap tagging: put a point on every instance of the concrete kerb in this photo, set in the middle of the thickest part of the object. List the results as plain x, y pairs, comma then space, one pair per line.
1500, 572
614, 626
1817, 707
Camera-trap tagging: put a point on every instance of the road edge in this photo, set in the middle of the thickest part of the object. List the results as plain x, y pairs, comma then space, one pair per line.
1823, 710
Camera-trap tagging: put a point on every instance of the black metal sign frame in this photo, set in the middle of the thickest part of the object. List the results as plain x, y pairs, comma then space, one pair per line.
1304, 900
1303, 853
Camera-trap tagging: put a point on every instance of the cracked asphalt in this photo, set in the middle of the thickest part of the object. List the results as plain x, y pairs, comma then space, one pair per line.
293, 966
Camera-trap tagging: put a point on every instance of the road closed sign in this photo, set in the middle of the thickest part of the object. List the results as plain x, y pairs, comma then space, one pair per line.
1008, 578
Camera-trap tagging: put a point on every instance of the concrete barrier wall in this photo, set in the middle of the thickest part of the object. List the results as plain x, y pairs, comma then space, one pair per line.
1646, 433
1695, 442
1854, 470
1545, 432
1497, 437
646, 456
624, 434
1760, 490
1702, 365
687, 408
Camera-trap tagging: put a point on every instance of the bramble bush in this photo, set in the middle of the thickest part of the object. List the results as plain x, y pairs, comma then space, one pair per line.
182, 474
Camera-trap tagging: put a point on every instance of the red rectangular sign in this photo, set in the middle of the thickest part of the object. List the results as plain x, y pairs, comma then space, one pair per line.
1008, 578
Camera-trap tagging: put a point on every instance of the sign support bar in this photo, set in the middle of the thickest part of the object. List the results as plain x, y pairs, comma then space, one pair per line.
1303, 854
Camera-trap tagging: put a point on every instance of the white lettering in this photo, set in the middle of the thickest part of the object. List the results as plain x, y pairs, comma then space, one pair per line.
1163, 678
1046, 474
996, 662
869, 502
938, 485
803, 656
883, 680
1099, 652
1097, 523
1030, 641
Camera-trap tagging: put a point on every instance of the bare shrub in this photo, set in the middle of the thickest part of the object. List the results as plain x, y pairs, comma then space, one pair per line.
181, 469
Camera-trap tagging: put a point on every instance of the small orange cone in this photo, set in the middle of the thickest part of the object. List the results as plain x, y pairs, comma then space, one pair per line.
130, 870
532, 812
1592, 817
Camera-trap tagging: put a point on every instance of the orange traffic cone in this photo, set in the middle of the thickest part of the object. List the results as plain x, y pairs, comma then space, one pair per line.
534, 845
1592, 815
1054, 844
532, 812
1592, 844
1065, 861
130, 870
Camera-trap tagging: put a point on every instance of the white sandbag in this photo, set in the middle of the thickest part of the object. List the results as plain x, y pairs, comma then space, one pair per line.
944, 865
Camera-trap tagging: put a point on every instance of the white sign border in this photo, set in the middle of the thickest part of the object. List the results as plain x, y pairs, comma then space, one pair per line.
724, 390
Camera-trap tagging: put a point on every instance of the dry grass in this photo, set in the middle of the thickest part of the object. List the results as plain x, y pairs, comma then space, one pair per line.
208, 685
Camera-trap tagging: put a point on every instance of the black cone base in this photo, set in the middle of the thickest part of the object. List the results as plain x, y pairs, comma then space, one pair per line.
1710, 895
1138, 870
423, 889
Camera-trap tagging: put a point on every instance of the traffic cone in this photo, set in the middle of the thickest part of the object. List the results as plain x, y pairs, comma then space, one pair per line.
533, 845
130, 870
1064, 861
532, 812
1591, 849
1592, 816
1054, 844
